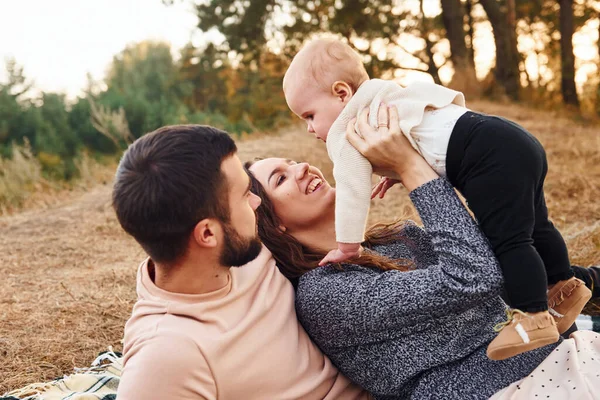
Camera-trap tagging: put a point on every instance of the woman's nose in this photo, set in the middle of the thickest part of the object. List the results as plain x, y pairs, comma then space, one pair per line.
301, 170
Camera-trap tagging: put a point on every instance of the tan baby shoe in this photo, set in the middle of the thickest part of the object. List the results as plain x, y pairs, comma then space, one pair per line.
566, 299
522, 332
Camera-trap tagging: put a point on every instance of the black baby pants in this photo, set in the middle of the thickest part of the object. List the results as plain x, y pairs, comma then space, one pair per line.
500, 168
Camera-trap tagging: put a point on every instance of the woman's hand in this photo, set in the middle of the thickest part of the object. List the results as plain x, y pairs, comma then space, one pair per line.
387, 149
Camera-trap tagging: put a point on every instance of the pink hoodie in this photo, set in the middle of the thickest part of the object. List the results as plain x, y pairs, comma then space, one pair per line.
240, 342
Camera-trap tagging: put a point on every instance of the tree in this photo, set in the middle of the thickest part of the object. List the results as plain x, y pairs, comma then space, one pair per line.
242, 22
203, 71
470, 28
568, 89
144, 80
503, 20
598, 69
17, 83
426, 28
12, 107
40, 121
55, 141
464, 79
375, 28
88, 136
540, 22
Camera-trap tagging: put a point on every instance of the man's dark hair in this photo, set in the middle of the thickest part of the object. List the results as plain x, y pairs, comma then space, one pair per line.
169, 180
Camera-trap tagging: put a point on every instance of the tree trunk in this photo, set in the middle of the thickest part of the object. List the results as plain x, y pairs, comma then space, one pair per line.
464, 79
567, 58
598, 87
470, 30
432, 68
507, 71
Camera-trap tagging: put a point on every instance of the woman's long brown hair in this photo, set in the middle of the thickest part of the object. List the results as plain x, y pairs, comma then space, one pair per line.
295, 259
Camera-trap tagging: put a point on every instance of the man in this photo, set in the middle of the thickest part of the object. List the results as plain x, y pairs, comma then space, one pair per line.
214, 317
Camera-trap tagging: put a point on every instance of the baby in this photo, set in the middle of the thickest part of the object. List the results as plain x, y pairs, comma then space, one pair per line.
497, 165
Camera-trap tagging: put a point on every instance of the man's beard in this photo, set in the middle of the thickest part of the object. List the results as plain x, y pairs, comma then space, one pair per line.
237, 250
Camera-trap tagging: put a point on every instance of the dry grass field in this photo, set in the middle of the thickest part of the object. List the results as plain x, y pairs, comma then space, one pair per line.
68, 272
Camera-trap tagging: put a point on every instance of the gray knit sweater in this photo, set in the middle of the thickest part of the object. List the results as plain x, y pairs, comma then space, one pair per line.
420, 334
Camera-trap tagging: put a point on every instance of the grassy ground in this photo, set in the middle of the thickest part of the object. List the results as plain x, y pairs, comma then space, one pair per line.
68, 272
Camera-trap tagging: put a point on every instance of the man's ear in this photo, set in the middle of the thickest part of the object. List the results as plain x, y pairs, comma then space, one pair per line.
205, 233
342, 91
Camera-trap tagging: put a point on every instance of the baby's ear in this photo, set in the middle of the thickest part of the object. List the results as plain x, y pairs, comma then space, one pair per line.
342, 91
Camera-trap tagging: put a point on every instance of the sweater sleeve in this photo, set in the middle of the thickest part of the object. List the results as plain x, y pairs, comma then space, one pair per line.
352, 173
412, 242
167, 368
359, 306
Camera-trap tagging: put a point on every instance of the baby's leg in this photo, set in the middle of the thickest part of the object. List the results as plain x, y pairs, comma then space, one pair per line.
567, 295
590, 276
505, 214
501, 171
550, 244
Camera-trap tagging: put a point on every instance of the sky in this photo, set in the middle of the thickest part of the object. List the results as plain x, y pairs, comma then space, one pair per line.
60, 41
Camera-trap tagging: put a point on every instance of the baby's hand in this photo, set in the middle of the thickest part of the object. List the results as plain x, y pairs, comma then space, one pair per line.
382, 186
345, 251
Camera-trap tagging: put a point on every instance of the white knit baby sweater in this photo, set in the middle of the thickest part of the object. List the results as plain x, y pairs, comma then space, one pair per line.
352, 172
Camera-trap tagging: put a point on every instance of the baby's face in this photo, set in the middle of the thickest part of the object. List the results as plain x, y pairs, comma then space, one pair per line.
319, 108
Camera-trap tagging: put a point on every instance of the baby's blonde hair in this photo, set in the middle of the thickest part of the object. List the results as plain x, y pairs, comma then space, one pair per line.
328, 61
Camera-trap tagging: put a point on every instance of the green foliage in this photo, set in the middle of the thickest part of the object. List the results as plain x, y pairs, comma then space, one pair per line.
89, 137
145, 88
242, 22
236, 85
43, 123
373, 27
249, 96
143, 79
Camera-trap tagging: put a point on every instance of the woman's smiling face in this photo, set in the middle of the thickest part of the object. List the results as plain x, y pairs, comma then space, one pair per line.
300, 194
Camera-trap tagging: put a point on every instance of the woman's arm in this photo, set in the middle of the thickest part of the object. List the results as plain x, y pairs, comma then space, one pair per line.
466, 272
410, 242
383, 319
360, 306
362, 319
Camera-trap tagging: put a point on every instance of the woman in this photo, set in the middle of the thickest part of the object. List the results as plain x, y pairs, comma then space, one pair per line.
412, 317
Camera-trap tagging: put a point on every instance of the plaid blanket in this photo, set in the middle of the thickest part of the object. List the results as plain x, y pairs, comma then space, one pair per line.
98, 382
